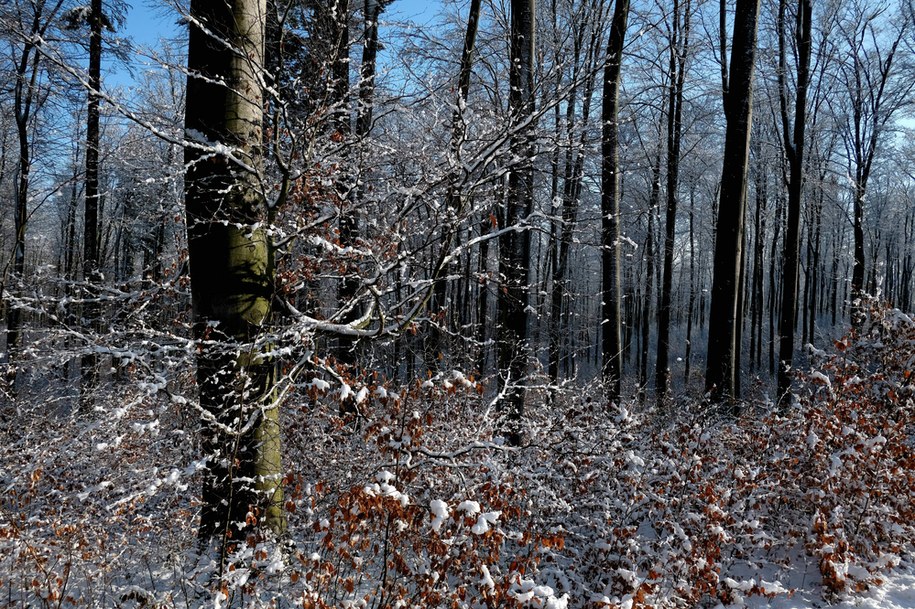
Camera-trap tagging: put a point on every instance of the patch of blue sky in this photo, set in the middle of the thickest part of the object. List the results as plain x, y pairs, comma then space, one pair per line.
152, 25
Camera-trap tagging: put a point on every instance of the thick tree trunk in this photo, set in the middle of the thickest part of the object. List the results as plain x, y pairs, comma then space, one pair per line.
515, 246
794, 148
611, 346
91, 269
232, 274
738, 95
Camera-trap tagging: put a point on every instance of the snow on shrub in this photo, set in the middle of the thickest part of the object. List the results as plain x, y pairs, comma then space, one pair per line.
409, 497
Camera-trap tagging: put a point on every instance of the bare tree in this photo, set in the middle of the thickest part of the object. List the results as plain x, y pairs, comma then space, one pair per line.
36, 18
877, 87
514, 246
737, 92
678, 54
793, 138
611, 345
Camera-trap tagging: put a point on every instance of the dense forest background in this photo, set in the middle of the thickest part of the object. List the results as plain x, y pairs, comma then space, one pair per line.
614, 280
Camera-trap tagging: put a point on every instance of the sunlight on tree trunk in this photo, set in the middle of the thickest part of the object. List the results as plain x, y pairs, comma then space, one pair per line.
232, 274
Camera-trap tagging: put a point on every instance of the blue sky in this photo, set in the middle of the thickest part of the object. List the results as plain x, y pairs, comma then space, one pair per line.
149, 21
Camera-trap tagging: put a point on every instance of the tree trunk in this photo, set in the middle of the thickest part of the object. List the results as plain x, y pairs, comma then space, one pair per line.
857, 273
20, 220
25, 102
571, 192
795, 153
440, 304
758, 274
692, 287
91, 269
232, 274
515, 246
738, 94
349, 224
611, 346
677, 69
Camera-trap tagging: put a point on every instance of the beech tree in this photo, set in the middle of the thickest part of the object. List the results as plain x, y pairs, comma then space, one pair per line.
91, 268
301, 407
587, 26
34, 19
611, 345
793, 137
876, 87
231, 267
737, 92
678, 52
515, 244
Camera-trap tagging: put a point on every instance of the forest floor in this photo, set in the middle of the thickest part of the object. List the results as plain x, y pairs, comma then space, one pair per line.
419, 500
896, 592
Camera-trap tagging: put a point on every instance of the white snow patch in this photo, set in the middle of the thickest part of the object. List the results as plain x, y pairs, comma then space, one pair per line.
471, 508
484, 521
440, 512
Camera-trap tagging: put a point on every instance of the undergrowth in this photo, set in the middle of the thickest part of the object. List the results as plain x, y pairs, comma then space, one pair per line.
411, 499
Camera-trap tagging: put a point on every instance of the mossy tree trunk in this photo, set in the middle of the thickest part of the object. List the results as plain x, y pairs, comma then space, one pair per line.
232, 274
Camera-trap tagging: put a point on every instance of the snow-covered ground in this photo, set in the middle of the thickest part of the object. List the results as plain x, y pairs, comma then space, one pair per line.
896, 592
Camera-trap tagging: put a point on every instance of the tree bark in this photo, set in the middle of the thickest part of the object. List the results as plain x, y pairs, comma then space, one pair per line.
454, 202
571, 192
514, 245
692, 286
25, 102
721, 372
231, 267
794, 149
653, 197
677, 70
91, 268
611, 346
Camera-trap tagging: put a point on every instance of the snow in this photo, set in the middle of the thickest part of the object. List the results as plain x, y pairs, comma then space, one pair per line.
484, 521
471, 508
345, 392
487, 579
896, 592
362, 395
819, 376
439, 511
812, 439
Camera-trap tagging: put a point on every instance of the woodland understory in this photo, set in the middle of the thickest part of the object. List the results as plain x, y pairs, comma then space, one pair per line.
544, 303
415, 500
